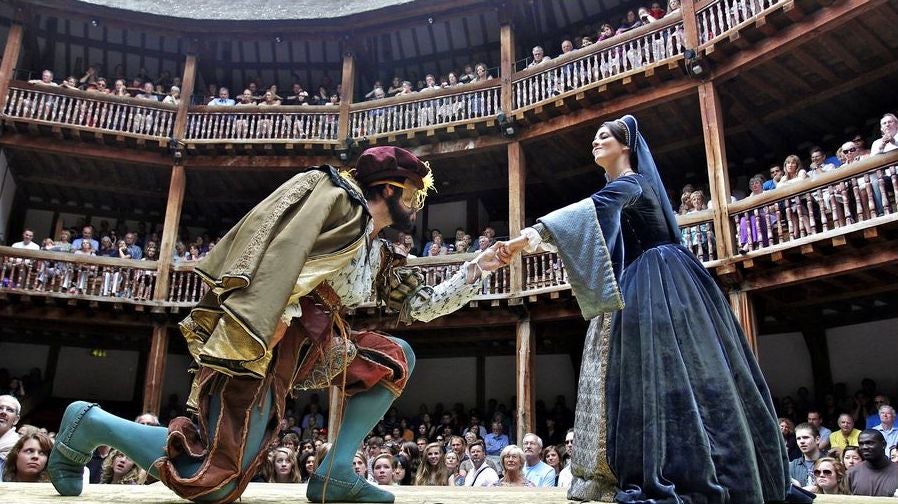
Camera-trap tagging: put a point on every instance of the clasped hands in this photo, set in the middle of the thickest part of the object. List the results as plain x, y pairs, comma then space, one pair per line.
500, 253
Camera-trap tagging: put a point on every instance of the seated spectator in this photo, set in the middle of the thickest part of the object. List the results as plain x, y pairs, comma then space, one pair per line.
10, 407
792, 171
552, 458
829, 477
223, 99
453, 468
27, 460
173, 97
887, 425
85, 249
468, 76
70, 83
888, 126
776, 173
656, 11
120, 89
285, 468
402, 470
606, 32
87, 233
432, 471
147, 419
566, 477
847, 435
876, 476
535, 470
566, 46
99, 87
370, 94
851, 456
406, 89
382, 469
512, 459
298, 95
107, 248
62, 243
45, 80
134, 251
586, 42
629, 22
539, 57
801, 470
395, 86
816, 419
118, 469
818, 164
645, 16
322, 97
482, 73
307, 464
147, 93
89, 77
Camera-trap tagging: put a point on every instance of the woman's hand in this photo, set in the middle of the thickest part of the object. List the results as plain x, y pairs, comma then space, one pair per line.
508, 249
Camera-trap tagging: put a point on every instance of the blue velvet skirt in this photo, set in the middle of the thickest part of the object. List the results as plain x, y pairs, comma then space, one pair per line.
690, 417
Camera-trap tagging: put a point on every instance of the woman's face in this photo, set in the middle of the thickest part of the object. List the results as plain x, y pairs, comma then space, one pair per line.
451, 461
421, 444
791, 167
673, 4
122, 465
359, 466
893, 455
698, 201
310, 464
31, 462
282, 464
511, 463
552, 458
470, 437
756, 186
631, 17
269, 96
383, 471
606, 148
398, 473
85, 245
433, 456
785, 428
825, 476
851, 458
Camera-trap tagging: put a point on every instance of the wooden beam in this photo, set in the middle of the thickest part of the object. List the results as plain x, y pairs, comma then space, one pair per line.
524, 368
820, 23
187, 84
348, 87
718, 175
258, 163
170, 227
690, 24
506, 66
10, 59
155, 377
744, 309
517, 182
52, 145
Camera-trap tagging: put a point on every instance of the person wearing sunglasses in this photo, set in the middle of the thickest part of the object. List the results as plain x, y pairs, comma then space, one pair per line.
829, 477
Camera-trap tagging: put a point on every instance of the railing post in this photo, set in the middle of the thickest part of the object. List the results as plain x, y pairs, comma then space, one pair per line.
506, 66
10, 58
187, 85
718, 174
690, 23
170, 231
348, 85
524, 380
517, 178
155, 377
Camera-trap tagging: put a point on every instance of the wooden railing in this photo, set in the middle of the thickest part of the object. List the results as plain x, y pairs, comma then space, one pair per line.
54, 105
644, 46
185, 287
544, 271
720, 17
438, 269
832, 203
425, 109
697, 234
73, 275
251, 124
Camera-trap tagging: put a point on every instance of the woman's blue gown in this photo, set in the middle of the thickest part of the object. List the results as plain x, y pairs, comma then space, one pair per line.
689, 416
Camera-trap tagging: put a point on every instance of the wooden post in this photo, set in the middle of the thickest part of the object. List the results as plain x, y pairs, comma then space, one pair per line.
187, 84
718, 174
506, 66
690, 24
155, 378
170, 231
524, 378
335, 400
517, 178
348, 85
744, 309
10, 59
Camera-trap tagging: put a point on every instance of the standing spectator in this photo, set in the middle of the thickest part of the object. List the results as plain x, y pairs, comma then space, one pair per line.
382, 469
816, 420
606, 32
876, 476
224, 98
552, 458
27, 241
888, 125
468, 76
656, 11
118, 469
480, 472
285, 468
629, 22
535, 470
887, 426
673, 6
847, 435
879, 400
432, 471
565, 477
801, 470
9, 417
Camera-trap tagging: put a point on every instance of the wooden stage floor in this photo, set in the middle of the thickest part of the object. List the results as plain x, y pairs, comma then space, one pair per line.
259, 493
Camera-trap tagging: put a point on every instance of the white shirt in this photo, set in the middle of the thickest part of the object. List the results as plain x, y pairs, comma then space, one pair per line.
30, 246
877, 147
483, 477
565, 477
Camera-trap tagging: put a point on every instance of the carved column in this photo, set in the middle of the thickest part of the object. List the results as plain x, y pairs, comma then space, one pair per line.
10, 58
155, 377
517, 180
348, 85
718, 174
524, 367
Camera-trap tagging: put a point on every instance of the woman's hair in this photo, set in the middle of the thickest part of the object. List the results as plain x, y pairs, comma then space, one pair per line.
788, 160
430, 475
410, 448
11, 467
291, 437
131, 477
402, 460
619, 132
304, 474
512, 451
552, 448
295, 476
388, 458
361, 454
759, 178
841, 477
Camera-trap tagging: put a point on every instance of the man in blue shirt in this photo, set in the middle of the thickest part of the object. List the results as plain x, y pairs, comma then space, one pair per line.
223, 98
495, 440
776, 173
87, 233
536, 471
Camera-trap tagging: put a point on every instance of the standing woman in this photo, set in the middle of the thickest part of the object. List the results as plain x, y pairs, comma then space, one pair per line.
432, 471
402, 470
671, 404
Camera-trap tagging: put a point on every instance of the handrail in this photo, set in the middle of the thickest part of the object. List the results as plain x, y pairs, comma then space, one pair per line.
267, 124
78, 93
76, 258
719, 17
426, 94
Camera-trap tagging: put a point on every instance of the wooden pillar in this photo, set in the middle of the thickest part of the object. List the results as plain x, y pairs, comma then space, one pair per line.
744, 309
506, 65
10, 59
524, 367
517, 179
718, 174
348, 85
335, 400
690, 24
155, 377
170, 231
188, 81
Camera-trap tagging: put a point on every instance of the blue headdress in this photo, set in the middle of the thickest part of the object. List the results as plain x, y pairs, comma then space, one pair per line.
645, 165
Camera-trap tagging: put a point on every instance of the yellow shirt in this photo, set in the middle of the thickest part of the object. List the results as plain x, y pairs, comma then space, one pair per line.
840, 441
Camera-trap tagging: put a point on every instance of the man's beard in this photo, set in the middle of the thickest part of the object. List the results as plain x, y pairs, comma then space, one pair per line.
403, 220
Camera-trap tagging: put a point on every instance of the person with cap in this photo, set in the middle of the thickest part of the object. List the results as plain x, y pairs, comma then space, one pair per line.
272, 321
671, 404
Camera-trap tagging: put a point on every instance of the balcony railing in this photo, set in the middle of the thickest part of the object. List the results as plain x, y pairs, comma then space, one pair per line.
50, 105
71, 275
425, 110
850, 197
720, 17
601, 62
697, 234
185, 287
281, 124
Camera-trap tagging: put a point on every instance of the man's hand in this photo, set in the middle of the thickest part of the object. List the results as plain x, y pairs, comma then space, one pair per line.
489, 260
508, 249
